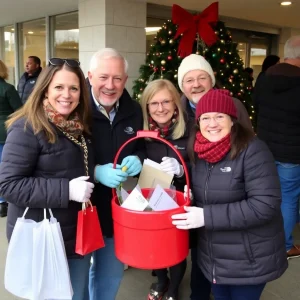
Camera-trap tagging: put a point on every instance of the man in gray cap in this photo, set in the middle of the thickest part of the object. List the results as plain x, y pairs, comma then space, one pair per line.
195, 79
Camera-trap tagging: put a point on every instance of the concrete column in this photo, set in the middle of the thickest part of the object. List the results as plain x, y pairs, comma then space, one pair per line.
118, 24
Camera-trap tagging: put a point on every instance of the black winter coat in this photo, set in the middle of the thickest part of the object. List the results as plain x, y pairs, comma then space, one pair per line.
26, 84
278, 101
36, 174
243, 240
107, 139
156, 150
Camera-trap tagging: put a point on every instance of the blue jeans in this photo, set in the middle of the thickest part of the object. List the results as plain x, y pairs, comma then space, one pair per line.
106, 273
79, 273
200, 286
1, 149
237, 292
289, 175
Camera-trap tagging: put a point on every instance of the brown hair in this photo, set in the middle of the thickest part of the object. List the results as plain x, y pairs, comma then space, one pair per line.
33, 110
240, 138
3, 70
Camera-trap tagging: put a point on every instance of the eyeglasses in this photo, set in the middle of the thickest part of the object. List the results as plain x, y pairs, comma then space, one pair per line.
164, 103
200, 79
218, 119
73, 63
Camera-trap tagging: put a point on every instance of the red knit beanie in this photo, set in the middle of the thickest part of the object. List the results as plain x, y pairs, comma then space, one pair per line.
216, 101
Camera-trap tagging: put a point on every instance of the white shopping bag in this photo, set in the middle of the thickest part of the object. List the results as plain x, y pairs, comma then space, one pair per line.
36, 264
51, 277
18, 267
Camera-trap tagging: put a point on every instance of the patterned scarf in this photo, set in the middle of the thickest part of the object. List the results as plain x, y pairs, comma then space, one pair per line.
72, 126
166, 130
212, 152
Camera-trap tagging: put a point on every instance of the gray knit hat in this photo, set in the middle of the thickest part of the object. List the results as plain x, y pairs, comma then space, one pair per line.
194, 62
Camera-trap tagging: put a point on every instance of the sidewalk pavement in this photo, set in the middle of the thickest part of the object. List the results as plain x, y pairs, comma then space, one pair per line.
136, 283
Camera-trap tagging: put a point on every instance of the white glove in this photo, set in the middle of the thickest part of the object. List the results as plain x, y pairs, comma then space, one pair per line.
171, 166
80, 190
185, 194
194, 218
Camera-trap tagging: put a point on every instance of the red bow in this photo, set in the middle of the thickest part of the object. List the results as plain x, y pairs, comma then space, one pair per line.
189, 25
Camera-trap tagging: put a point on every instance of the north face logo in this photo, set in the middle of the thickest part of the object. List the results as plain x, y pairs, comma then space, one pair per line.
32, 81
129, 130
225, 169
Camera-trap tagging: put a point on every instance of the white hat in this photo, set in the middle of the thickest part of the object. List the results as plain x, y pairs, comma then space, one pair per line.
194, 62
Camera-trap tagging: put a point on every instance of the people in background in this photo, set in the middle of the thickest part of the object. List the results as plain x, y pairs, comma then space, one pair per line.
29, 78
195, 79
48, 160
163, 112
116, 119
268, 62
249, 72
9, 102
237, 195
279, 126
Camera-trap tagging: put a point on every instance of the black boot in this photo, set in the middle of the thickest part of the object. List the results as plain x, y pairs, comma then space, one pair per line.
3, 209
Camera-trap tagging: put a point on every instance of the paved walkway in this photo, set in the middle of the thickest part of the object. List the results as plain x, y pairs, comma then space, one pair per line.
136, 282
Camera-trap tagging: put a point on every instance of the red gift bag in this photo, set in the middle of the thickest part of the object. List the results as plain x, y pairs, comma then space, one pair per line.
89, 235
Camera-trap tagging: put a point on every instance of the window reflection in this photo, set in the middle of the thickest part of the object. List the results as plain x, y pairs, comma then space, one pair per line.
66, 35
9, 52
32, 42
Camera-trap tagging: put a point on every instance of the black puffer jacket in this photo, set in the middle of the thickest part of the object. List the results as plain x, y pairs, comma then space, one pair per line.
278, 103
156, 150
107, 139
26, 84
243, 238
36, 174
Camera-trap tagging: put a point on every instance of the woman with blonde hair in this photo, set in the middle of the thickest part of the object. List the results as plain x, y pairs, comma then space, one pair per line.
9, 102
48, 159
163, 112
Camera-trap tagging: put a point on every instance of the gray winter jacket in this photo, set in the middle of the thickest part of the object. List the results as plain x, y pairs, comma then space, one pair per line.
243, 238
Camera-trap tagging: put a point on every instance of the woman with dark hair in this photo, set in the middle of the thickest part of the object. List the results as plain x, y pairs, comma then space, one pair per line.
237, 195
268, 62
9, 102
48, 159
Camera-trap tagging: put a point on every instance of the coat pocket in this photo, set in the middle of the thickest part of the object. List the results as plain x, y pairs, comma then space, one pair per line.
247, 246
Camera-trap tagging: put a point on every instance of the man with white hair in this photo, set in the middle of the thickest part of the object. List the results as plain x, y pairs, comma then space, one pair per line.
116, 119
278, 125
195, 79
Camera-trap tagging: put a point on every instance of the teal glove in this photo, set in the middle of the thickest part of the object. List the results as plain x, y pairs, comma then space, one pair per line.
133, 165
109, 176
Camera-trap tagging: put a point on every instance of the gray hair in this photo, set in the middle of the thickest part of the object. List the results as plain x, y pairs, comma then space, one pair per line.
106, 53
292, 47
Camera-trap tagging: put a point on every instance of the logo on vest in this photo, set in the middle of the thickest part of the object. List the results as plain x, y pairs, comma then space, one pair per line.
129, 130
32, 81
226, 169
178, 147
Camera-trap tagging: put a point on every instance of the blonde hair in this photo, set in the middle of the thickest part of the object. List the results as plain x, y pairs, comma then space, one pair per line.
3, 70
152, 88
33, 110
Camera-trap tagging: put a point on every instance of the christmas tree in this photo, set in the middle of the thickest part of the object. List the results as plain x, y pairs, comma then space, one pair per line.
163, 61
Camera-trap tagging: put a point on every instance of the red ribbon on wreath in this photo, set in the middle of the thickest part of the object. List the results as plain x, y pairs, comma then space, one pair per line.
190, 25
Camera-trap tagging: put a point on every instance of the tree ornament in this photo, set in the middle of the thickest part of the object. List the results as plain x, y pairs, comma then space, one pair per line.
171, 41
242, 84
163, 42
163, 62
169, 57
170, 32
222, 60
175, 76
235, 71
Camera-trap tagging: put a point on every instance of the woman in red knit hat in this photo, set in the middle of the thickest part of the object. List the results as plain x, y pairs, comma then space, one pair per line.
237, 196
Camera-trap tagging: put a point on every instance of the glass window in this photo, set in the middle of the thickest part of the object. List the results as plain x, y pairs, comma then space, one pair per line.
32, 42
9, 52
258, 53
66, 35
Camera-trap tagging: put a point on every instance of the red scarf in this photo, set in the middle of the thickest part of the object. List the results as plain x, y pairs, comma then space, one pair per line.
166, 130
72, 126
212, 152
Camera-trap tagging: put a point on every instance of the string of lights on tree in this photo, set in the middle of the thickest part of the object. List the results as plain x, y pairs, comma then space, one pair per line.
162, 61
